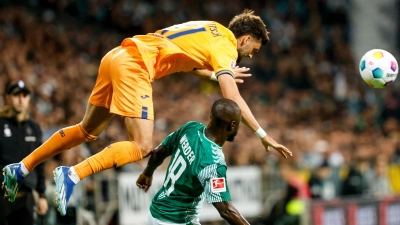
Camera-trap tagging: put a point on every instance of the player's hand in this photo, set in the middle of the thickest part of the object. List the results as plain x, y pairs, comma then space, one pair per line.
268, 143
240, 72
42, 206
144, 182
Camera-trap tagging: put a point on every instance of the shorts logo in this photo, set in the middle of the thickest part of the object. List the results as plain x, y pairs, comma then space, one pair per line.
144, 96
62, 133
218, 185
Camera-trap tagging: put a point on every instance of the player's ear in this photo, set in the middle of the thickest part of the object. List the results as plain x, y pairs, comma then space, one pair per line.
247, 39
232, 125
243, 40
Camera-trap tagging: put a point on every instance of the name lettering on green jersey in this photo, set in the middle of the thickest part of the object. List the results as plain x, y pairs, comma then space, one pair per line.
187, 150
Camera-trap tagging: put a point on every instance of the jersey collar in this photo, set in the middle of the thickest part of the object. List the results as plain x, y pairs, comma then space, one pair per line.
204, 134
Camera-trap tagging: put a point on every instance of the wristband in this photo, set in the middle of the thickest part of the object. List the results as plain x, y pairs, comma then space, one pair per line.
260, 133
213, 77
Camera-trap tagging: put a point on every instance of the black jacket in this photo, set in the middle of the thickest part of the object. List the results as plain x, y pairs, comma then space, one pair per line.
355, 184
17, 140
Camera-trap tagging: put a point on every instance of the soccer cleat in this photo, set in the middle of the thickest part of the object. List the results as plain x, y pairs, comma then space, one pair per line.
12, 180
64, 188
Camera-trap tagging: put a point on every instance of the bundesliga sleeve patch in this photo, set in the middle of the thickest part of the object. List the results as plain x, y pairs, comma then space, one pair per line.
218, 185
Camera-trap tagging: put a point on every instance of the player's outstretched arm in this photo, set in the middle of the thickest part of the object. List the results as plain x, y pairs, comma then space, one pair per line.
229, 213
230, 90
240, 72
156, 159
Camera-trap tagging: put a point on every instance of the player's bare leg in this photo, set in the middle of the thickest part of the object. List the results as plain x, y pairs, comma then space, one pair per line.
96, 119
141, 132
94, 122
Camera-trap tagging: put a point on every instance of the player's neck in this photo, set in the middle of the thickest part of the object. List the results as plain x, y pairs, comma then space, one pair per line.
215, 136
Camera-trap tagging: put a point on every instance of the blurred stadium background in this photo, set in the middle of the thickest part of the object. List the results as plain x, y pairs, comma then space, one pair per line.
305, 90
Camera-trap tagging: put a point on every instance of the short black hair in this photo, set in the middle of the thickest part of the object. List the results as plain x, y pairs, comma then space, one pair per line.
225, 110
247, 23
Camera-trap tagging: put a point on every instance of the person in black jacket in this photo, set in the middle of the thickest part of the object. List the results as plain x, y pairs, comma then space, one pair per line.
320, 185
19, 136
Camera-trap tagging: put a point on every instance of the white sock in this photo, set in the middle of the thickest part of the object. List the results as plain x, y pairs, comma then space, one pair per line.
73, 175
24, 170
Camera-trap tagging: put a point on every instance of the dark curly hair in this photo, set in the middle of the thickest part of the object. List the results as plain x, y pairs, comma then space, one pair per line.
247, 23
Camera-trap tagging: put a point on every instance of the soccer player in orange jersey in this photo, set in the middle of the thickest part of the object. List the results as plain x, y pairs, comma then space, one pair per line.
123, 87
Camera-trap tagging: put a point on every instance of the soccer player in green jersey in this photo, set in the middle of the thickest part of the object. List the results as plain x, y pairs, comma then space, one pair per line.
197, 170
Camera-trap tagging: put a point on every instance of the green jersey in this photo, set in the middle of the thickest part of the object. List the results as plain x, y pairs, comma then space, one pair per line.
197, 171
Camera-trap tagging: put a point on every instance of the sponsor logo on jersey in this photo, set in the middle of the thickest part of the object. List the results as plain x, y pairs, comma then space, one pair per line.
218, 184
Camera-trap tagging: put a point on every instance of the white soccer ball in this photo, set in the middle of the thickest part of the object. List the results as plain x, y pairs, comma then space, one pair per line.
378, 68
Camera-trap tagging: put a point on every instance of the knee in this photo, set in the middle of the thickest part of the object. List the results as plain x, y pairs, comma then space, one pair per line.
86, 133
87, 129
146, 149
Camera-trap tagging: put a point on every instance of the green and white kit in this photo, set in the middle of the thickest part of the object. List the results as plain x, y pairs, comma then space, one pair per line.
197, 171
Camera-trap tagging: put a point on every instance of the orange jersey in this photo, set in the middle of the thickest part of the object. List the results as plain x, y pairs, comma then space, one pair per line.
123, 84
186, 47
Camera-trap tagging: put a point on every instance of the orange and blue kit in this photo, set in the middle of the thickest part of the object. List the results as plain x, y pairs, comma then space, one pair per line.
124, 79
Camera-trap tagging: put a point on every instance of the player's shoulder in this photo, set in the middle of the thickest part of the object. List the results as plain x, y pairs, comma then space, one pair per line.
216, 28
191, 129
219, 25
211, 153
192, 124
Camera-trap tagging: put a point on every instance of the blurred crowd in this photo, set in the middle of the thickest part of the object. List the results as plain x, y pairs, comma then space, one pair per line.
305, 89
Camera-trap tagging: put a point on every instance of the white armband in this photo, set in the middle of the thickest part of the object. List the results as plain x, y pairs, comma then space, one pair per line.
260, 133
213, 77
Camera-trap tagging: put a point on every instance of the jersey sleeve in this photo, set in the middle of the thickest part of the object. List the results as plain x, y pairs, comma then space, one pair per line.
170, 141
223, 57
213, 179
